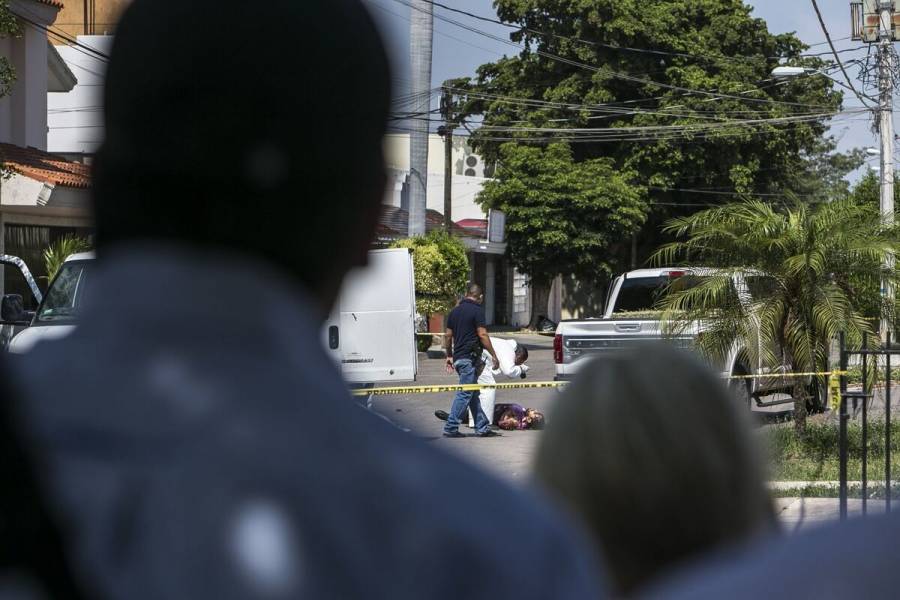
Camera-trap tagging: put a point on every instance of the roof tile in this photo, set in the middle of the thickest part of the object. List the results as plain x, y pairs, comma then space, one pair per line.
396, 220
45, 167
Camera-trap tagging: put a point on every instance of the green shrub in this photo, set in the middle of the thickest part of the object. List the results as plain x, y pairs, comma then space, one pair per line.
441, 270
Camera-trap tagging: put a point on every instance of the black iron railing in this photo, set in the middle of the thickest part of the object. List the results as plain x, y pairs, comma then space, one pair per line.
860, 401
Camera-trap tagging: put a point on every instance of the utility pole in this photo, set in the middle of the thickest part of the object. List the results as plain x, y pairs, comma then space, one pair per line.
886, 131
447, 132
420, 46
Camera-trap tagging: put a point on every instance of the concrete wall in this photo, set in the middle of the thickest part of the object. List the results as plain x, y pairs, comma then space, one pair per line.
75, 118
465, 161
464, 188
66, 197
582, 299
21, 191
18, 190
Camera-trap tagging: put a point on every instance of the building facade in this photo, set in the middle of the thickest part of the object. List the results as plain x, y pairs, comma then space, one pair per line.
43, 196
89, 17
507, 295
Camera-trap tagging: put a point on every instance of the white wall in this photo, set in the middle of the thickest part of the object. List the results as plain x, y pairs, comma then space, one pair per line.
22, 191
19, 190
23, 114
465, 161
464, 188
75, 118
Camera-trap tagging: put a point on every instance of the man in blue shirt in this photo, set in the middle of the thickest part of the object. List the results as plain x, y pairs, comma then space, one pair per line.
466, 337
200, 443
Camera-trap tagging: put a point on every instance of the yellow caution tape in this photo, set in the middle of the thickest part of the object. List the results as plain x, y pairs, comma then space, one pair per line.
834, 384
789, 375
442, 389
474, 387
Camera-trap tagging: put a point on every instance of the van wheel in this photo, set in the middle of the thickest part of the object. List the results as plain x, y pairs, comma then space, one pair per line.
741, 389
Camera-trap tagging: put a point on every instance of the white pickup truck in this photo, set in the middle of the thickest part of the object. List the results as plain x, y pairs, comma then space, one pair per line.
631, 319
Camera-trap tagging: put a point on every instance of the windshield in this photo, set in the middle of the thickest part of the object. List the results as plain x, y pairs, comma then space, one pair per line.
64, 296
640, 294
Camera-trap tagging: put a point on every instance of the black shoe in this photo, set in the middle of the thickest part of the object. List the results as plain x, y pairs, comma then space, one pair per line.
455, 434
487, 434
442, 415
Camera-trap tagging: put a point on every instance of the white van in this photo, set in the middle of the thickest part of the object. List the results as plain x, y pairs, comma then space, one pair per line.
371, 332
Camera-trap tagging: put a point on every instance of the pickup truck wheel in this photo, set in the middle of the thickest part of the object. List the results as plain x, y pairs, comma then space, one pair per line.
741, 389
817, 396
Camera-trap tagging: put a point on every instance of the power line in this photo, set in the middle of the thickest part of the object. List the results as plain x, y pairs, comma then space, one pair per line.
611, 46
441, 33
84, 48
616, 74
836, 56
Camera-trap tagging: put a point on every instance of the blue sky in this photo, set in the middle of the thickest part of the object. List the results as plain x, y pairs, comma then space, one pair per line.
458, 52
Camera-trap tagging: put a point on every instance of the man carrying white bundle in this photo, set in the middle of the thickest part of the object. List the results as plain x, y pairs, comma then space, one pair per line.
512, 357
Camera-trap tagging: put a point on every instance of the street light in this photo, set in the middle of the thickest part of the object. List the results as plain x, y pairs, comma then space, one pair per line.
788, 72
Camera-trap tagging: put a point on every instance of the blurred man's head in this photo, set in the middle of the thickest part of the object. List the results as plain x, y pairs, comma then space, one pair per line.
253, 127
474, 292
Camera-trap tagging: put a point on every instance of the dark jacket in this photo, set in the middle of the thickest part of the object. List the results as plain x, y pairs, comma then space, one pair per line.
203, 445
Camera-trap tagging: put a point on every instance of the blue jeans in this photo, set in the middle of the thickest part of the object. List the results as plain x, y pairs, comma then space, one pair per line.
464, 400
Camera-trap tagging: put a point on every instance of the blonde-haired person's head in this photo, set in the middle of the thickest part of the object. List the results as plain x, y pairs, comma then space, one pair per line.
651, 453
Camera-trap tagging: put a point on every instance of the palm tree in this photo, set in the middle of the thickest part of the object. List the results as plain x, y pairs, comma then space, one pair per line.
57, 253
809, 271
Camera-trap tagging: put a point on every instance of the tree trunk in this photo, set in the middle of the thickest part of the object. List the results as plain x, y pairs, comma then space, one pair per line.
800, 400
540, 298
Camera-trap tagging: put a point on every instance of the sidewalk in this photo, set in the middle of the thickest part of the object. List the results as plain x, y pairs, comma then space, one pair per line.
797, 514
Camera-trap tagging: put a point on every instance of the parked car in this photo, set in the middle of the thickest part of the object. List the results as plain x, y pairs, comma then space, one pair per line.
631, 318
57, 313
17, 309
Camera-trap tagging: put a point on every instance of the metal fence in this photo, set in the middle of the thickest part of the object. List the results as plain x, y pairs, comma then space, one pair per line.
861, 401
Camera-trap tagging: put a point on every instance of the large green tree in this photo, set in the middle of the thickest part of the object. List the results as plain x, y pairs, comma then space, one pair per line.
699, 68
562, 216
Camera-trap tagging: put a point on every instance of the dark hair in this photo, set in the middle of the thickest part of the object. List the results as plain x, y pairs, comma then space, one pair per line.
522, 352
33, 542
267, 142
474, 290
653, 454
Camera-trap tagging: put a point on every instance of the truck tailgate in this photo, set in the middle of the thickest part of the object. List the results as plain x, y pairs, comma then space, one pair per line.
582, 339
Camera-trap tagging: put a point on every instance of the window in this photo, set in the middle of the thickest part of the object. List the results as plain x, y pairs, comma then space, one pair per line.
520, 292
760, 286
65, 293
644, 293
